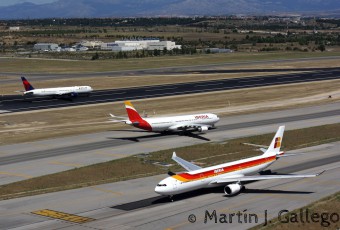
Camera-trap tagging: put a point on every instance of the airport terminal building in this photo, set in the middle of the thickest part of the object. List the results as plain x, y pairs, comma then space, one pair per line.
46, 47
130, 45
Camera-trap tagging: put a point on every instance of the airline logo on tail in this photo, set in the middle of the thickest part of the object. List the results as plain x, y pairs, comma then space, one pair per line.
27, 85
132, 112
135, 118
277, 142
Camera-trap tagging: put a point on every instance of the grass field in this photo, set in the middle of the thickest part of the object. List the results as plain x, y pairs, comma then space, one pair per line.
133, 167
27, 65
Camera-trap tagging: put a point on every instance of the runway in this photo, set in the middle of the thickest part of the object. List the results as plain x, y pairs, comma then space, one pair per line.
17, 104
18, 161
134, 205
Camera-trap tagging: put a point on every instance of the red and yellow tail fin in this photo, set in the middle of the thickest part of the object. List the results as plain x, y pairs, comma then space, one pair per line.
132, 112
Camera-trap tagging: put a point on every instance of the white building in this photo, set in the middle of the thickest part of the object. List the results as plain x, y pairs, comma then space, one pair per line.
161, 45
139, 45
46, 46
14, 28
91, 44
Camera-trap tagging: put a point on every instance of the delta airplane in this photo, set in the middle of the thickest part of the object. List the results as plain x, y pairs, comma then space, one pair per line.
187, 123
59, 92
231, 174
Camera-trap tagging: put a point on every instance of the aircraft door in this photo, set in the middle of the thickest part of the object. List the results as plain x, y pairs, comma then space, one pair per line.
174, 185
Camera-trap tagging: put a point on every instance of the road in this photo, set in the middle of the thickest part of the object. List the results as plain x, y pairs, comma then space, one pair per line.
18, 161
134, 205
17, 104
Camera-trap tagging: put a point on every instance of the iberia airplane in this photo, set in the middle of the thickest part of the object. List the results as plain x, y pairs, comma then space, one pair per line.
231, 174
58, 92
197, 122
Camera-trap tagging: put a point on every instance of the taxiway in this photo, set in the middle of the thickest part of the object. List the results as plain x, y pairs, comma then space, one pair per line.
134, 205
19, 161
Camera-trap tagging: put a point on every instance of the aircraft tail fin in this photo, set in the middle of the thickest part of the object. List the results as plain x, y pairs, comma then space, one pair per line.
26, 84
274, 148
132, 112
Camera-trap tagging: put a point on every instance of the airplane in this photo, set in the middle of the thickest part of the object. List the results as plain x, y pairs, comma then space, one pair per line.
231, 174
59, 92
186, 123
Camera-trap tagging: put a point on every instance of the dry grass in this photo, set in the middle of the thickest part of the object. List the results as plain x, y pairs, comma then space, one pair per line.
329, 205
42, 124
124, 168
107, 82
27, 65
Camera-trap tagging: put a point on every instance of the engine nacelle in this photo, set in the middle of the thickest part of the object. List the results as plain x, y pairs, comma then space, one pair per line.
203, 128
232, 189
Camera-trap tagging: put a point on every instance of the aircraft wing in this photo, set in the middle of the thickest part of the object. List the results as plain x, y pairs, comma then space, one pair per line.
185, 164
261, 177
189, 127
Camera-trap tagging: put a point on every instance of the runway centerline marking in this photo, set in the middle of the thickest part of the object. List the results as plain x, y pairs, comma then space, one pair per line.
63, 216
160, 89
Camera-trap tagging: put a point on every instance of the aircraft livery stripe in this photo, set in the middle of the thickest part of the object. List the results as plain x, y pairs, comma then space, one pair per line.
186, 177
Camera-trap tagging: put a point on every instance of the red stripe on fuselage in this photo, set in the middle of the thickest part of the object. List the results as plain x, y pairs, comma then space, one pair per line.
228, 169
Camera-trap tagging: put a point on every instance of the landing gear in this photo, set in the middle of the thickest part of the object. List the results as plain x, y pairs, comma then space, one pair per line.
171, 198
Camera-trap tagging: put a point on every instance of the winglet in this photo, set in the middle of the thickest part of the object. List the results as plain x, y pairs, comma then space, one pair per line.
318, 174
174, 155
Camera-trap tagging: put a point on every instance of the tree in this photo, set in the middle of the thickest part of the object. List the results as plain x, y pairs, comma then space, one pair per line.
95, 56
322, 47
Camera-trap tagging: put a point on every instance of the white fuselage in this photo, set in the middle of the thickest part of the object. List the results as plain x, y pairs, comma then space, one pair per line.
173, 123
204, 178
60, 91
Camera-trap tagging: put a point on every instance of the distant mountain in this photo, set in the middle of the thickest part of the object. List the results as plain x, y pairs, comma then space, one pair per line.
135, 8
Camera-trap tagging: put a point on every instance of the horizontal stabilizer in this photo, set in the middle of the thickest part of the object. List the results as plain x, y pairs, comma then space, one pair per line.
185, 164
125, 118
263, 150
288, 155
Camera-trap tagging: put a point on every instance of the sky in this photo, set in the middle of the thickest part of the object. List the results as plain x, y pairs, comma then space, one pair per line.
13, 2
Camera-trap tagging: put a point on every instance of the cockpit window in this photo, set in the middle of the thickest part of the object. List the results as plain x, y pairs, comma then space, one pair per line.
160, 185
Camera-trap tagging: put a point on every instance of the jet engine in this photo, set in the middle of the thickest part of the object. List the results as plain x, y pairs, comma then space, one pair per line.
232, 189
203, 128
